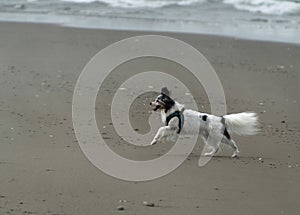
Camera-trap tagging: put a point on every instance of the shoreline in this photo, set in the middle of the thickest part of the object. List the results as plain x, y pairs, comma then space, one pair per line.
137, 26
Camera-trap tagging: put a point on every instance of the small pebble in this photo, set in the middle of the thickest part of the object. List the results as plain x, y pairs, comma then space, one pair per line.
120, 208
148, 204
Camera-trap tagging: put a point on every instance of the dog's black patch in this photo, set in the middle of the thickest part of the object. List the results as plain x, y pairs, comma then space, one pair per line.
169, 103
165, 91
204, 117
226, 134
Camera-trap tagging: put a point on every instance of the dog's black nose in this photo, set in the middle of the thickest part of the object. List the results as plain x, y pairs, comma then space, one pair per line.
150, 103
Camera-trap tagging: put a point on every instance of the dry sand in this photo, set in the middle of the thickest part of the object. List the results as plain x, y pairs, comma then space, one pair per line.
43, 170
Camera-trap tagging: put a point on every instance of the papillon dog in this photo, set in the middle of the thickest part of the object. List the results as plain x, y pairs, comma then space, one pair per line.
178, 120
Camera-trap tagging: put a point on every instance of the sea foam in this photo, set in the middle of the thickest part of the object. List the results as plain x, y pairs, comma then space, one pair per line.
270, 7
140, 3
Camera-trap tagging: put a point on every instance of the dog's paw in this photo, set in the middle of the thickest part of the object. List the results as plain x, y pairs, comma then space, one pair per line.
235, 155
153, 142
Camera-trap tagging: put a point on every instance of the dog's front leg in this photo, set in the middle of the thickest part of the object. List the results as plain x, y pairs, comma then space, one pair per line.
162, 133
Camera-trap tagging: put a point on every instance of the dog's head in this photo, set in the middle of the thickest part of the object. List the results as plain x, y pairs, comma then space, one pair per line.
163, 101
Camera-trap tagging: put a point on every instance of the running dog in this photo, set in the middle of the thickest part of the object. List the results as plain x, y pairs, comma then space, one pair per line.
179, 120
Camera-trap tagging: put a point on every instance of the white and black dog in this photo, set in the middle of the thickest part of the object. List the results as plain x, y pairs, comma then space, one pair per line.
177, 120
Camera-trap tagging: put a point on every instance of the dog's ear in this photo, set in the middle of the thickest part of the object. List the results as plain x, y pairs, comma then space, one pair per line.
165, 91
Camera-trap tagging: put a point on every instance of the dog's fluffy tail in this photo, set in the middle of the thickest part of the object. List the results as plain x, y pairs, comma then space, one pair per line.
245, 123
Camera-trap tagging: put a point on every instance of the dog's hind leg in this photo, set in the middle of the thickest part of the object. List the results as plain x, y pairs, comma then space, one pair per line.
211, 147
235, 148
208, 149
233, 145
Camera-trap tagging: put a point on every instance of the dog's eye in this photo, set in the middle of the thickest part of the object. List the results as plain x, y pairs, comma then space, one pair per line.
159, 98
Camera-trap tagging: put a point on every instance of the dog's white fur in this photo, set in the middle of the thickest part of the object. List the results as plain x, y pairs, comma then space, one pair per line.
240, 123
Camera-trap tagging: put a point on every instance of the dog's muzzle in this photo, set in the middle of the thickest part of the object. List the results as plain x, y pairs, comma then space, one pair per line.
155, 106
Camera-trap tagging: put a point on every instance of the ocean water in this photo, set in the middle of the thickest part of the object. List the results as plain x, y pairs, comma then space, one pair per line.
274, 20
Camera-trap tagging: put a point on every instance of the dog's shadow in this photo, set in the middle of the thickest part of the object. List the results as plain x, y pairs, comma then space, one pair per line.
226, 157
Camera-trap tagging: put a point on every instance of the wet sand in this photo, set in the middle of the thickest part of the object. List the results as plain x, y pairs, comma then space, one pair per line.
43, 170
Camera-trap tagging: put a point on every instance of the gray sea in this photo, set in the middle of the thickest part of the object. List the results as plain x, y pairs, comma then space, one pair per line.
271, 20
